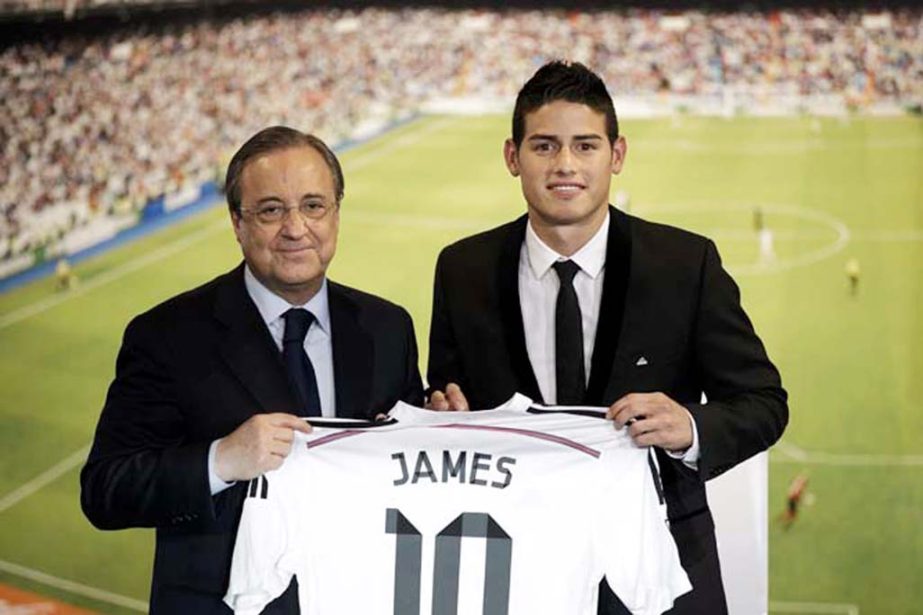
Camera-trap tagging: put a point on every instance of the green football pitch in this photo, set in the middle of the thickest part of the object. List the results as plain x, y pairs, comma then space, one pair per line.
830, 190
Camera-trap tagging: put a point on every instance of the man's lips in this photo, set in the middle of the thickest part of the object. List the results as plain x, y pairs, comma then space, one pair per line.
294, 250
565, 188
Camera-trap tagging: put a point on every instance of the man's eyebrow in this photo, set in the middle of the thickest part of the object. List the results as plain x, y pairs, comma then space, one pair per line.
269, 199
586, 137
541, 137
275, 199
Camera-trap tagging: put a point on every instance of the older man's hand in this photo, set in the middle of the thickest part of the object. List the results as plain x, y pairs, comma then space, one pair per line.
260, 444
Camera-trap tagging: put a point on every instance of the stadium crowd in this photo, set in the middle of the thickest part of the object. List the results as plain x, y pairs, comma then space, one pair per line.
96, 126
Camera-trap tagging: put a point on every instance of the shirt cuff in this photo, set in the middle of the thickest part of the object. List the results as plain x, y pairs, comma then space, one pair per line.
215, 484
689, 457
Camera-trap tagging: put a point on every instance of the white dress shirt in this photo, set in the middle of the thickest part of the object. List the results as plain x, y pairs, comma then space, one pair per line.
538, 295
317, 344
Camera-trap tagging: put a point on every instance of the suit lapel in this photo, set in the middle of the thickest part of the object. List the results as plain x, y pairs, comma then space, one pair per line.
353, 355
247, 346
511, 312
612, 306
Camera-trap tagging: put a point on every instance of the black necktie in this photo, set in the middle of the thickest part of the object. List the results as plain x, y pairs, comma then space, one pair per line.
568, 338
297, 364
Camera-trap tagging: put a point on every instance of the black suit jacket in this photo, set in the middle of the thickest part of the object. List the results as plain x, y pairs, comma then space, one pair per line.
665, 298
192, 370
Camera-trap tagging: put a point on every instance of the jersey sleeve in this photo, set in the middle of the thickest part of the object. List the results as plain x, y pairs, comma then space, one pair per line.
261, 567
636, 550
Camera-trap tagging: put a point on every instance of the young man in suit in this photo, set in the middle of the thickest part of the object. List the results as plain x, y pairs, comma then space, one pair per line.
579, 303
210, 385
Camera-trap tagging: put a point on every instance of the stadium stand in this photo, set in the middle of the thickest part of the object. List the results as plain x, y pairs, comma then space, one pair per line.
69, 8
96, 126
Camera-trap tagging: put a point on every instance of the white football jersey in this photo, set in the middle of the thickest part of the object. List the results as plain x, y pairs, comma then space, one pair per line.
498, 512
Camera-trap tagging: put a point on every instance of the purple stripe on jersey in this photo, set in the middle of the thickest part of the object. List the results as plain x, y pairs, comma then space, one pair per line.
334, 437
528, 433
520, 432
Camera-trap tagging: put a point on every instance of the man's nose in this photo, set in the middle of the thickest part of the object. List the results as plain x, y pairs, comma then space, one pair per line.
564, 162
293, 223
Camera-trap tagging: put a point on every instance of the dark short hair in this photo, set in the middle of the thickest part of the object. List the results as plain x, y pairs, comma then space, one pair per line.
567, 81
273, 139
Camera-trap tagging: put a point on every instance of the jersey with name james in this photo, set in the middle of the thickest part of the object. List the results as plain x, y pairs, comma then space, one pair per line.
497, 512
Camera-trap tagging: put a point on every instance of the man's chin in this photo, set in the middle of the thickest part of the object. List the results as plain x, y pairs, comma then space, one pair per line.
298, 271
299, 289
568, 213
301, 276
563, 217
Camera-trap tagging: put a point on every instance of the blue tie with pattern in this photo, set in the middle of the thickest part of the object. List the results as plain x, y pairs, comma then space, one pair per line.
297, 364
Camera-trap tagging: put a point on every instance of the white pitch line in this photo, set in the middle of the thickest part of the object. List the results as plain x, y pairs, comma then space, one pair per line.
778, 235
48, 476
884, 236
785, 452
840, 236
131, 266
402, 141
427, 222
816, 144
819, 608
889, 236
73, 587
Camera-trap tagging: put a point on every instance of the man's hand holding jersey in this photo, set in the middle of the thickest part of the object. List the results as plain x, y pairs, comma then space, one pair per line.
260, 444
451, 400
653, 419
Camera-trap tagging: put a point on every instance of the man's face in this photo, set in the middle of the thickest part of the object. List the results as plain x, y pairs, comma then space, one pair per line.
289, 256
565, 164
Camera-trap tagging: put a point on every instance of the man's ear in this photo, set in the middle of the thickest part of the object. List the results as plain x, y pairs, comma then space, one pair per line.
511, 157
619, 151
235, 222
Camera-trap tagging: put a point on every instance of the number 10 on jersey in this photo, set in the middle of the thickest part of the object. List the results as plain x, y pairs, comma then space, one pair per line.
408, 562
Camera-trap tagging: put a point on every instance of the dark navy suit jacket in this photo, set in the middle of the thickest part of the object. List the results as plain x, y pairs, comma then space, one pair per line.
192, 370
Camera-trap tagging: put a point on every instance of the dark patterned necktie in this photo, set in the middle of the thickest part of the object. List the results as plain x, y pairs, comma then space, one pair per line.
568, 338
297, 364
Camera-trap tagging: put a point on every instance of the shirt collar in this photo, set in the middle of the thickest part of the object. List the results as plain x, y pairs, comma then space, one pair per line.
271, 306
590, 258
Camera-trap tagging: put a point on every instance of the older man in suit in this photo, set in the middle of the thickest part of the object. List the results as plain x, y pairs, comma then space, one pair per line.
578, 303
210, 385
